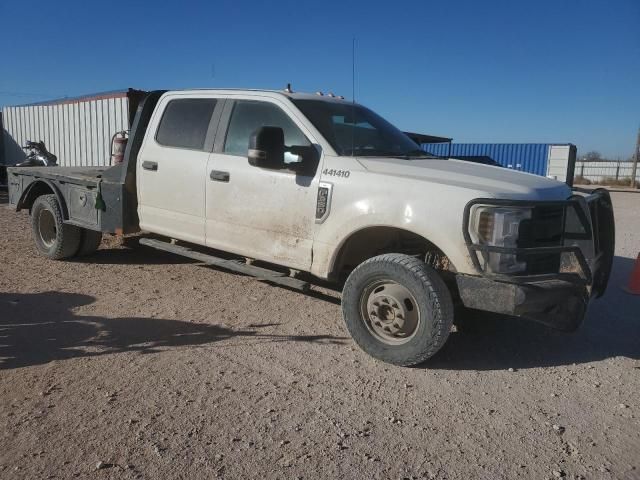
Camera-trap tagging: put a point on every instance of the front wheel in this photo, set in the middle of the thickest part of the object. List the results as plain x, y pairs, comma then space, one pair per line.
397, 309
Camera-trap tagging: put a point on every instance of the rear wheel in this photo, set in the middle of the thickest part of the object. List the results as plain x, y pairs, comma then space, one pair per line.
397, 309
53, 238
89, 242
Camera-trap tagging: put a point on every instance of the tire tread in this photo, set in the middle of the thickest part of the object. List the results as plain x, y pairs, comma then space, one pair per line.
438, 298
68, 237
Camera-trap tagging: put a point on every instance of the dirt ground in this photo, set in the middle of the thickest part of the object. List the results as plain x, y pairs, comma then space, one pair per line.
138, 364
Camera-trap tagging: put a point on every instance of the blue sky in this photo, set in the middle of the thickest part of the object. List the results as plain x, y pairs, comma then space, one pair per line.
478, 71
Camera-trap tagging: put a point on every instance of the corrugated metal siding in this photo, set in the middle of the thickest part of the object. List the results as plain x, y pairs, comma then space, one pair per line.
527, 157
78, 131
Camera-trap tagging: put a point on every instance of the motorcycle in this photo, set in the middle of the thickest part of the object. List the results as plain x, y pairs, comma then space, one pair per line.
38, 156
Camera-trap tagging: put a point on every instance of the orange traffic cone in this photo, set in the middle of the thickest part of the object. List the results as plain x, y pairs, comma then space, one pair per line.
634, 280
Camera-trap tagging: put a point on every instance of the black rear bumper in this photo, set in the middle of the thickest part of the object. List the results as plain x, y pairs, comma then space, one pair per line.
556, 299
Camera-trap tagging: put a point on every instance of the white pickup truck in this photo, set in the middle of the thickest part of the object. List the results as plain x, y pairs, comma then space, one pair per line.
306, 189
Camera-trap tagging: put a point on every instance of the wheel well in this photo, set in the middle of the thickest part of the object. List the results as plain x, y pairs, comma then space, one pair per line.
34, 191
374, 241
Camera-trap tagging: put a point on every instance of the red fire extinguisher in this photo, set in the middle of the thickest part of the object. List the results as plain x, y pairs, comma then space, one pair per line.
118, 146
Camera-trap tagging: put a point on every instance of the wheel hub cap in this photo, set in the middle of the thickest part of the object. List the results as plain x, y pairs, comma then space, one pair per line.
390, 312
47, 228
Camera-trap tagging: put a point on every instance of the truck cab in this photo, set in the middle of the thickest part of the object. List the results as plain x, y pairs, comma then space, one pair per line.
326, 187
195, 182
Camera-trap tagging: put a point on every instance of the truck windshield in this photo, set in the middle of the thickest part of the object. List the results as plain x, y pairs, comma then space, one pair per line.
353, 130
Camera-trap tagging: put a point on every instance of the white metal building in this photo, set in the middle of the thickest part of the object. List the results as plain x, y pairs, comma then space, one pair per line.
77, 130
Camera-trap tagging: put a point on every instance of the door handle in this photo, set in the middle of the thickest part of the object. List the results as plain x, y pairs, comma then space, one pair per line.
153, 166
218, 176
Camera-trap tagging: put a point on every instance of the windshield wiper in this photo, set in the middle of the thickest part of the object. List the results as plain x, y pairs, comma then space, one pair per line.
418, 153
371, 152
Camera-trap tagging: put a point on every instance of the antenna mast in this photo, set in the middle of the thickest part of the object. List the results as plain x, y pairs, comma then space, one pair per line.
353, 69
353, 95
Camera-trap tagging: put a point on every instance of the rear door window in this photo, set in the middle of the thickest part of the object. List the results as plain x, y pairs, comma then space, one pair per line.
185, 122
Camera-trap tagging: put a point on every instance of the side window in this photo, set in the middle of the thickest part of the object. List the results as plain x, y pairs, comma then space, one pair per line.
185, 122
248, 116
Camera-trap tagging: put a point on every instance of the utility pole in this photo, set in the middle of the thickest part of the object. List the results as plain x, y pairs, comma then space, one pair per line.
634, 167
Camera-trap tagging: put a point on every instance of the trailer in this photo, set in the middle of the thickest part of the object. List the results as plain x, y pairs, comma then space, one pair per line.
552, 160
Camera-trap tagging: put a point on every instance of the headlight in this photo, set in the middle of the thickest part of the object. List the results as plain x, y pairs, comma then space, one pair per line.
498, 227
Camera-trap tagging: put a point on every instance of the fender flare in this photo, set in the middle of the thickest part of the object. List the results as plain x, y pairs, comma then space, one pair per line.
334, 257
29, 196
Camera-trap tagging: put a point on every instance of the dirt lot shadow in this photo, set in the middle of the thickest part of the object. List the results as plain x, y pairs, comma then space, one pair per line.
611, 329
38, 328
112, 252
132, 256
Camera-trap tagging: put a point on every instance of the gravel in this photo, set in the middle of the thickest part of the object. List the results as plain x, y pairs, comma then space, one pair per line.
144, 365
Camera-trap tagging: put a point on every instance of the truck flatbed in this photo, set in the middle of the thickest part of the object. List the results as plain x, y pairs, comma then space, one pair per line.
77, 190
87, 176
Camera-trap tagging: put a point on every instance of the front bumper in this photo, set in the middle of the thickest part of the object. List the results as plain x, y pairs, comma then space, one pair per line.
559, 304
557, 299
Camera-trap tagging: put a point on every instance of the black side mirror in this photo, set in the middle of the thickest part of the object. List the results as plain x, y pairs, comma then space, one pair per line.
266, 148
308, 159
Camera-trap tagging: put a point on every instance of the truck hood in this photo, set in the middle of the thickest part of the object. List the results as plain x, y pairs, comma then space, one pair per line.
490, 181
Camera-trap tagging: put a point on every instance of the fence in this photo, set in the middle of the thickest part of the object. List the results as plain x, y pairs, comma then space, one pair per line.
599, 171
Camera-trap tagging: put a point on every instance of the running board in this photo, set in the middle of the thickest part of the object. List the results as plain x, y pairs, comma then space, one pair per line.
237, 266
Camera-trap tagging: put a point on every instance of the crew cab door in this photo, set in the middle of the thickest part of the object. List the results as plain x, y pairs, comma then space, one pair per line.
172, 167
261, 213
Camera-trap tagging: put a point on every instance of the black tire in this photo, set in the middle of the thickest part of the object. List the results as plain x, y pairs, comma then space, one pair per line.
425, 288
89, 242
53, 238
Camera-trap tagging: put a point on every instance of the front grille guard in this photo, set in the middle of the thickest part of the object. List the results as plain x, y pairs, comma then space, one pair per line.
593, 256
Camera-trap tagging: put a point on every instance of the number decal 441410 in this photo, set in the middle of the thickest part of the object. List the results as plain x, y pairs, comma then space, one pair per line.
336, 173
